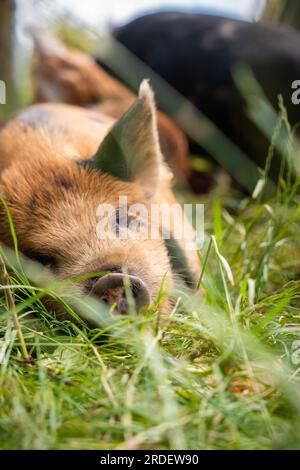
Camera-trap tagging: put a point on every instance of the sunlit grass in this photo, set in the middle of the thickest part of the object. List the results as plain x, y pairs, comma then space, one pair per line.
215, 374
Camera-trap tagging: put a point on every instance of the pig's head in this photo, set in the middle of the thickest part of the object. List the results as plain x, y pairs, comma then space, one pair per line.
59, 206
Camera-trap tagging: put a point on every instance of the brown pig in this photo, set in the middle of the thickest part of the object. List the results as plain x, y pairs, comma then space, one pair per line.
64, 74
60, 165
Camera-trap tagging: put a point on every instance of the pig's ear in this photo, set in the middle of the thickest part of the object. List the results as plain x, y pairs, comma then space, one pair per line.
131, 150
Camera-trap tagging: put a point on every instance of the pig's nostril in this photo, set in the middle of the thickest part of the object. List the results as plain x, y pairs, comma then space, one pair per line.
111, 290
122, 305
140, 292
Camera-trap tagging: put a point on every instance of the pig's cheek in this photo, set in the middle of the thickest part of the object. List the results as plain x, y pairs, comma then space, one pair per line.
163, 313
165, 308
55, 307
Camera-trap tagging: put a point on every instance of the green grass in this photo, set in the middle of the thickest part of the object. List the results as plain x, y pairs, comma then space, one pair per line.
216, 374
220, 372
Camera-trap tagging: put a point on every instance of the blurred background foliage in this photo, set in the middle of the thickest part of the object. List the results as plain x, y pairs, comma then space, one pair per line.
61, 17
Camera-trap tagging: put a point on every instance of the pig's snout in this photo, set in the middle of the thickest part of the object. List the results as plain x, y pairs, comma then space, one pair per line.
111, 290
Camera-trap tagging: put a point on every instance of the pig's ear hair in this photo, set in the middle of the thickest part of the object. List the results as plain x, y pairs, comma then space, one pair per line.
131, 150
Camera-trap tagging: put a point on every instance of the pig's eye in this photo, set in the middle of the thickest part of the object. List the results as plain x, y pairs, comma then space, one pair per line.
124, 220
42, 258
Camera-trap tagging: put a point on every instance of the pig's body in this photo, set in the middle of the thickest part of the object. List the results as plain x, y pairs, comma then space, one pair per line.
53, 196
53, 129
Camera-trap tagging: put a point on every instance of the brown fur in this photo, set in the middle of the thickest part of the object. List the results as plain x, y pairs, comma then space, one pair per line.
53, 199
